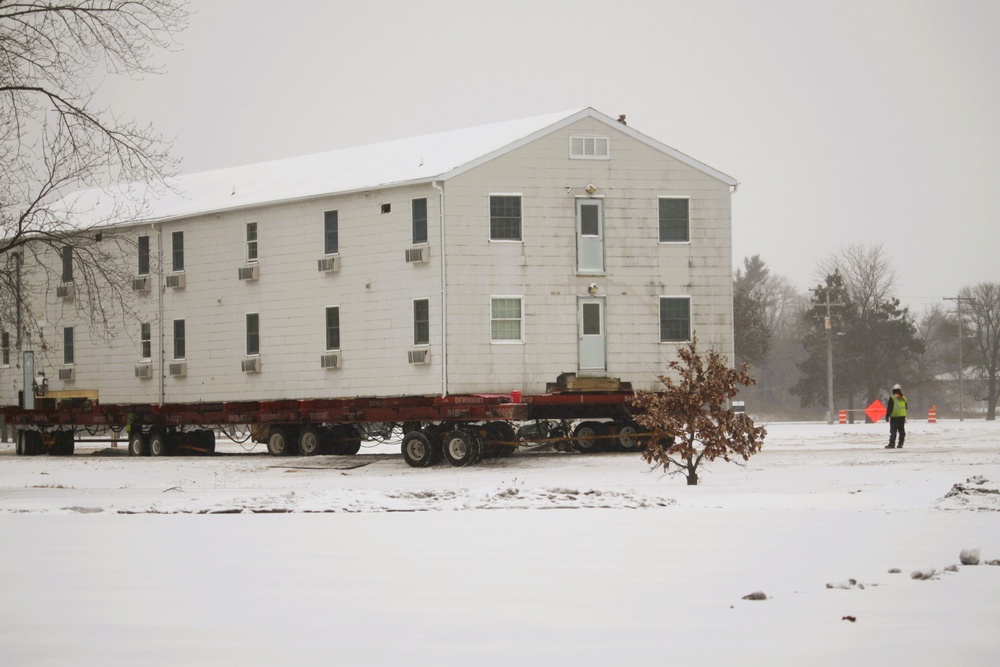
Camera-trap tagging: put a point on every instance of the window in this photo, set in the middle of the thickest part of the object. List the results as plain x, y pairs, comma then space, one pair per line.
179, 340
251, 241
253, 333
143, 256
582, 147
177, 250
505, 217
419, 221
5, 349
333, 328
505, 319
675, 319
421, 322
68, 352
67, 264
674, 225
331, 238
145, 340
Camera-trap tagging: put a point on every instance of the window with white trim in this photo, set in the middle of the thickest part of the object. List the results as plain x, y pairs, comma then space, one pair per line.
506, 317
145, 340
177, 251
419, 224
68, 351
67, 264
180, 340
251, 241
4, 349
675, 219
143, 247
421, 322
253, 334
675, 319
505, 217
331, 233
589, 147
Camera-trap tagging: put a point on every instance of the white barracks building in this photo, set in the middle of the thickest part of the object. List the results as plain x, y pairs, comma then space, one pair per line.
481, 260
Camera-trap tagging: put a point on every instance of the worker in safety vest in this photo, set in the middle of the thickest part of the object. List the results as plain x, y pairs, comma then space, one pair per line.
896, 416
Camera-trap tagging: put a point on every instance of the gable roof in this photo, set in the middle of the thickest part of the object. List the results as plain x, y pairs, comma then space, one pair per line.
419, 159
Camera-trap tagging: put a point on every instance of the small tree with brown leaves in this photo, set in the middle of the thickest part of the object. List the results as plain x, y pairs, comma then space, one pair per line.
689, 423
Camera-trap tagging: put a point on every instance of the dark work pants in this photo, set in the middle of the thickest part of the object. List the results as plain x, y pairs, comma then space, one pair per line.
897, 424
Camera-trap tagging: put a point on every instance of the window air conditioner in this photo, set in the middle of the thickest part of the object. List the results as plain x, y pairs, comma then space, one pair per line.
176, 280
65, 291
178, 369
329, 265
144, 371
419, 356
419, 255
251, 272
140, 284
330, 361
251, 365
66, 374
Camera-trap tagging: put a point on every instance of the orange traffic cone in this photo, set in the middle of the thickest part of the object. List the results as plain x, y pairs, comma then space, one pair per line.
843, 416
932, 415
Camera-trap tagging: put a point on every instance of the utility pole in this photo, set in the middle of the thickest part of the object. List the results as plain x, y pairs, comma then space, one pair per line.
828, 325
961, 367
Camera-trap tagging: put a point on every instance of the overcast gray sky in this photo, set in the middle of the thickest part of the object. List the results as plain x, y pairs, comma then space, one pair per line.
874, 122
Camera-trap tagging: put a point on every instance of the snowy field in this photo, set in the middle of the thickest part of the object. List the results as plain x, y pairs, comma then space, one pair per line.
246, 559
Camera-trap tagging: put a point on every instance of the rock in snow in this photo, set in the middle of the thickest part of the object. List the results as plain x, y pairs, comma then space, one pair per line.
924, 573
758, 595
969, 556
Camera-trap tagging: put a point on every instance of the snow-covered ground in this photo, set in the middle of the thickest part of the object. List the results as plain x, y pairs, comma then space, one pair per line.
246, 559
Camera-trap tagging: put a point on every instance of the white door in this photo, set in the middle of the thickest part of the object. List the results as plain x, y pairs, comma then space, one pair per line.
592, 335
590, 235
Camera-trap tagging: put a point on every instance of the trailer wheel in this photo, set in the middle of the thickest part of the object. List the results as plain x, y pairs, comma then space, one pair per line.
462, 447
629, 436
279, 443
499, 436
21, 448
206, 438
351, 442
421, 449
64, 444
587, 436
310, 441
158, 443
137, 445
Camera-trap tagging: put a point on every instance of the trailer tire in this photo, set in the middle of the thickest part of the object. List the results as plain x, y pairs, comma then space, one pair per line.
629, 436
137, 445
158, 445
587, 436
279, 442
499, 434
462, 447
310, 441
21, 447
351, 442
64, 444
421, 449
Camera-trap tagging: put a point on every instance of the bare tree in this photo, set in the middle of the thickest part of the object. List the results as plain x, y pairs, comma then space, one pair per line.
690, 422
867, 272
55, 141
984, 318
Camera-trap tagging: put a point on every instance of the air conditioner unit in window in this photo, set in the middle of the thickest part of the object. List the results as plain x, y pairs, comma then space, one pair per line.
251, 272
251, 365
65, 291
178, 369
329, 265
140, 284
66, 374
176, 280
419, 356
330, 361
419, 255
144, 371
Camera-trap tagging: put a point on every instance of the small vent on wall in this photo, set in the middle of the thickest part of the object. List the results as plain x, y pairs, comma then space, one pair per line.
419, 255
330, 361
329, 265
251, 365
140, 284
178, 369
65, 291
419, 356
66, 374
176, 280
144, 371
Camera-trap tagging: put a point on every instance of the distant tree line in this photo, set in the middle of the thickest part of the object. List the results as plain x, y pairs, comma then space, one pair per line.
786, 337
